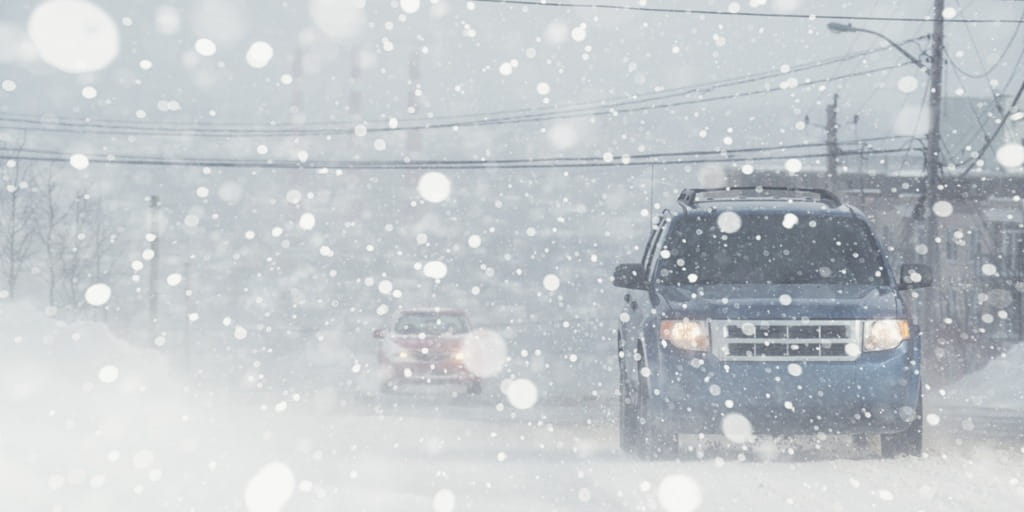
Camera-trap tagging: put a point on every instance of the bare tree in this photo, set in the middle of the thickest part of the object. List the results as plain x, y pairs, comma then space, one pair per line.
83, 247
17, 220
54, 232
102, 236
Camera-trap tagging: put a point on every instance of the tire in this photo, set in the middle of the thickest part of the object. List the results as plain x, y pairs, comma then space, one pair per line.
907, 443
654, 442
475, 388
628, 424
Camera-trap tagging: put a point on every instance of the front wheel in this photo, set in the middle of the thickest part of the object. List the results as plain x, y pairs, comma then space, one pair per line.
655, 442
628, 424
910, 442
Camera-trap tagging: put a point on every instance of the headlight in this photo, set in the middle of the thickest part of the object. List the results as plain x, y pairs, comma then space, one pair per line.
685, 334
884, 334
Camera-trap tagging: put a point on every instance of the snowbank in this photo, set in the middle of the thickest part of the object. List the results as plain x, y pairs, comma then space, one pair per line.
84, 412
998, 385
92, 422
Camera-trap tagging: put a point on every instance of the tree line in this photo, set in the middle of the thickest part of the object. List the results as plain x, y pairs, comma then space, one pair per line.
56, 238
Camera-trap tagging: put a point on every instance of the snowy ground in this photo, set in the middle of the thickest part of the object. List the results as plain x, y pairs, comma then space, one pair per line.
77, 435
988, 403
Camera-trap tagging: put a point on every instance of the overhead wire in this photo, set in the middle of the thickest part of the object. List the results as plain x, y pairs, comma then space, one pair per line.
603, 103
990, 139
439, 165
985, 73
735, 13
974, 111
917, 122
689, 156
67, 125
249, 128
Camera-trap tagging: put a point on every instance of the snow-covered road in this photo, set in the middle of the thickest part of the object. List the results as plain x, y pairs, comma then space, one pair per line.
93, 423
436, 453
558, 460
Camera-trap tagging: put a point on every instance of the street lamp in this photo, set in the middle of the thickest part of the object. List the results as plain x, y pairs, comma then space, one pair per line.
839, 28
932, 157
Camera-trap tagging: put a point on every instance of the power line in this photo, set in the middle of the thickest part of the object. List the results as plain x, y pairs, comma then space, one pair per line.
275, 128
977, 115
643, 97
716, 151
989, 140
681, 157
996, 97
73, 125
710, 12
694, 152
416, 165
985, 73
139, 129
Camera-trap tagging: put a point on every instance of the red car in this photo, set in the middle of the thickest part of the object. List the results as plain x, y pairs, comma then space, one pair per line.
426, 346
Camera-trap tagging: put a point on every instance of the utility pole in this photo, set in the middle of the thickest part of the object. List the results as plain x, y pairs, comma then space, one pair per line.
831, 127
154, 265
832, 137
933, 153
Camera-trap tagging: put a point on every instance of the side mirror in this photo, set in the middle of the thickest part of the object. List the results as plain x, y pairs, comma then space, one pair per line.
915, 275
631, 276
380, 333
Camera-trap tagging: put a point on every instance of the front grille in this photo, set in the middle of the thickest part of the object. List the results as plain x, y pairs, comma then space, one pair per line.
784, 340
432, 355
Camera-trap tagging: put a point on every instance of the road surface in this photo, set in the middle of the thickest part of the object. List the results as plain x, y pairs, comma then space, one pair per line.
431, 452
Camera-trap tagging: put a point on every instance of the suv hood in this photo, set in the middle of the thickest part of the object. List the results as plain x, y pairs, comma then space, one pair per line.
762, 302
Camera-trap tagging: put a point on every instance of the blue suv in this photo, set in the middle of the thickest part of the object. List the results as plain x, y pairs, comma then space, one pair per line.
767, 311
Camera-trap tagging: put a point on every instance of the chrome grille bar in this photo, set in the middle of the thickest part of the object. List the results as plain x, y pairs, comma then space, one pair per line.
786, 340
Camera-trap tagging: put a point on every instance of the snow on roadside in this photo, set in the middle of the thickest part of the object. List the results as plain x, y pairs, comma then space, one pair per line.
998, 385
92, 422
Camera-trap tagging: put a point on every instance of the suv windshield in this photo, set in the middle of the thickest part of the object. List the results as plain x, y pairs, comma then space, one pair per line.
769, 249
431, 323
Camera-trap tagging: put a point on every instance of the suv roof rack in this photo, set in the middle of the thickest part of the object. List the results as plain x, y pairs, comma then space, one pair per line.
691, 196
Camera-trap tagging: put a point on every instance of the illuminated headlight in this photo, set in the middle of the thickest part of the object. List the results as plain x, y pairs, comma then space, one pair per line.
459, 356
685, 334
885, 334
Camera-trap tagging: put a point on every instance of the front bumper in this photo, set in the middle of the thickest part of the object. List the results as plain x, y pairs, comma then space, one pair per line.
427, 372
877, 393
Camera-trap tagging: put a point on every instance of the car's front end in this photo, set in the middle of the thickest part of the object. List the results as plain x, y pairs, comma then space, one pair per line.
424, 359
802, 371
426, 346
778, 314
